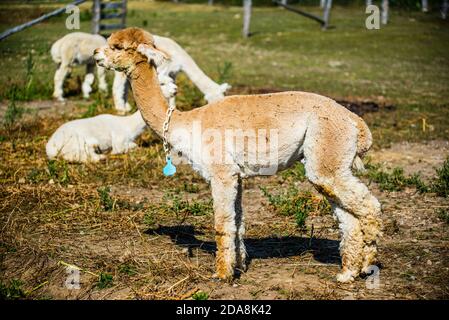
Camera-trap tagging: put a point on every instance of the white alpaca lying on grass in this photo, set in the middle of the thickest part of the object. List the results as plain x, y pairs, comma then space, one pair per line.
89, 140
77, 49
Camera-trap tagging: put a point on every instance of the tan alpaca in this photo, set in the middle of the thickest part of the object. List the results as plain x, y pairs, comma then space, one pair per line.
307, 126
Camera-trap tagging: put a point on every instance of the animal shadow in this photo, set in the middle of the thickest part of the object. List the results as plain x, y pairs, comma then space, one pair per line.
323, 250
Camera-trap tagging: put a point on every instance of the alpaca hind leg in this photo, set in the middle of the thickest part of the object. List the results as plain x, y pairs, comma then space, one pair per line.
60, 75
351, 245
355, 197
329, 152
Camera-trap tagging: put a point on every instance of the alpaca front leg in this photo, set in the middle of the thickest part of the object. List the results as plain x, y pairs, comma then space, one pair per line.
87, 85
225, 194
120, 89
88, 81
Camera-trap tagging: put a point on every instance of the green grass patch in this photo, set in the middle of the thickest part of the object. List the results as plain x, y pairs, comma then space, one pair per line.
58, 170
105, 280
297, 172
297, 204
181, 208
440, 185
12, 290
12, 114
443, 214
395, 180
127, 269
29, 88
106, 201
200, 295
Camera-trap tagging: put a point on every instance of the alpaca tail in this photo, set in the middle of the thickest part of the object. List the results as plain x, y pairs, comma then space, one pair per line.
364, 143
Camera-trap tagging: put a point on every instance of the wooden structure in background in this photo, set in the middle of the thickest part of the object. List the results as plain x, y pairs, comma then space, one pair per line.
108, 11
324, 21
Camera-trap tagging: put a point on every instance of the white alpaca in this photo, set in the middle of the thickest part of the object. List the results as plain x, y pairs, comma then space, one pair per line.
88, 140
181, 61
77, 49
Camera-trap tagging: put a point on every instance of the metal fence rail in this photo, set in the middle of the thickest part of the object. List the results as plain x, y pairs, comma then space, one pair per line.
28, 24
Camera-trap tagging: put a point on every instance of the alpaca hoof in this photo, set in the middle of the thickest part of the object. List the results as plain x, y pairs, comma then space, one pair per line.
346, 276
242, 267
371, 268
215, 277
223, 277
59, 98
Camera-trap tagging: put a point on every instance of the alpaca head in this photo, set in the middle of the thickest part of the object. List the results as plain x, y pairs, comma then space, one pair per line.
121, 52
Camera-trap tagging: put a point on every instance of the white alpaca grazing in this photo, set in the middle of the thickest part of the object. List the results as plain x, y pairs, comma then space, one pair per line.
179, 61
88, 140
77, 49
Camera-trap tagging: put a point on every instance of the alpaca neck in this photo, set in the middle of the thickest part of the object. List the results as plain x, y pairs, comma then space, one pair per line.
148, 96
136, 124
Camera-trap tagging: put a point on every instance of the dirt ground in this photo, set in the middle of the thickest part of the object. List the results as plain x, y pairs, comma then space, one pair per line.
44, 226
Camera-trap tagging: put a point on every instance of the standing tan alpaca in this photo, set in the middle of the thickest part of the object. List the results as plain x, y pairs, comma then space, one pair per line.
300, 125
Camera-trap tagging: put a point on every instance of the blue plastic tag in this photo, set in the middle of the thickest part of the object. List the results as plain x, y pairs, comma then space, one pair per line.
169, 168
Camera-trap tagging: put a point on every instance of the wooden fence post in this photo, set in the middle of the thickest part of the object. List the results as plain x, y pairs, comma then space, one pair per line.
385, 8
444, 9
96, 14
424, 5
124, 12
326, 14
247, 7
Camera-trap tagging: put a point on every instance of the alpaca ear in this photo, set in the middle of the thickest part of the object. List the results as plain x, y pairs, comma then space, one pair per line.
153, 54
